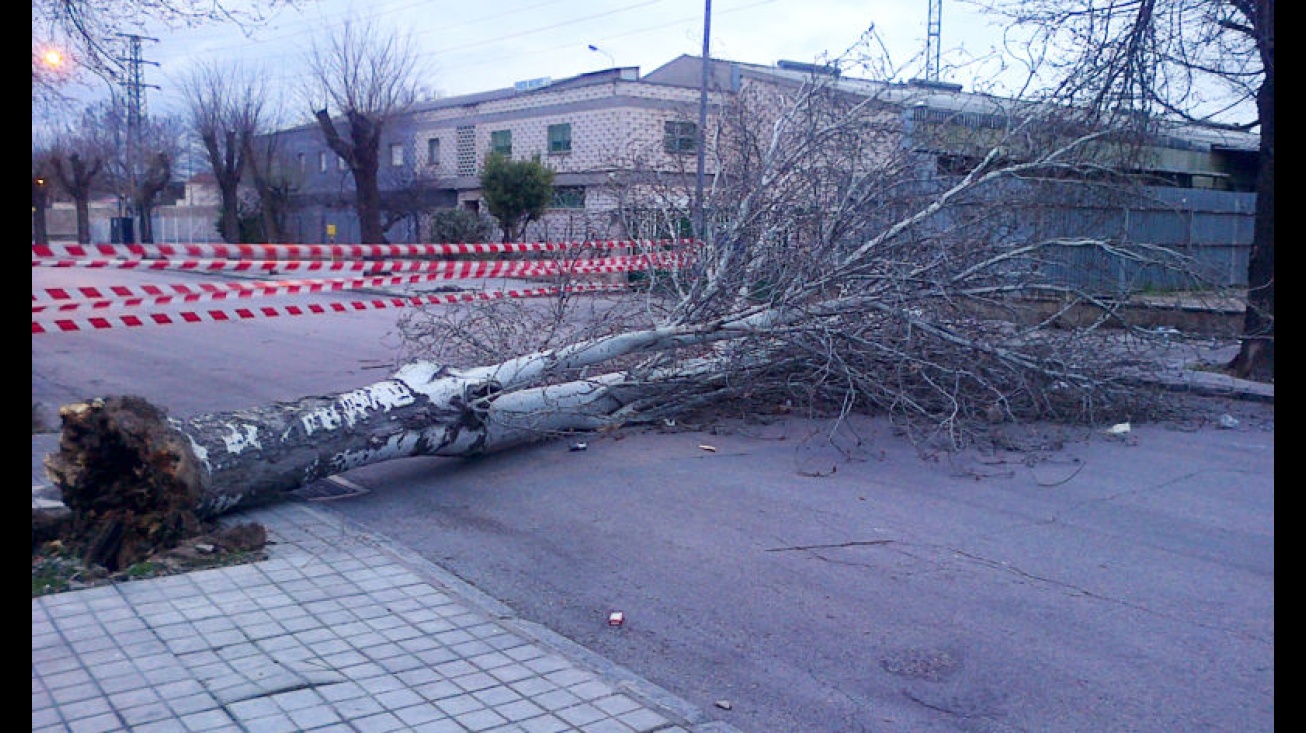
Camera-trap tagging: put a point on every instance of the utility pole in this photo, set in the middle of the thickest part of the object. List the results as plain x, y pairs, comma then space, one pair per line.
702, 120
135, 94
933, 32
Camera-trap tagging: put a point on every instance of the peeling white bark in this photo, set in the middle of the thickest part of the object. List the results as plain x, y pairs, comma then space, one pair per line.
255, 455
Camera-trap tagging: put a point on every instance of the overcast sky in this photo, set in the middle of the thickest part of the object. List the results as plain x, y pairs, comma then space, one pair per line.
478, 46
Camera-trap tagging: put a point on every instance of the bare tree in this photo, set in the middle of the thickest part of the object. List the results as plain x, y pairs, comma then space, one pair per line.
161, 143
225, 103
42, 194
87, 33
139, 164
366, 76
1209, 62
274, 181
79, 158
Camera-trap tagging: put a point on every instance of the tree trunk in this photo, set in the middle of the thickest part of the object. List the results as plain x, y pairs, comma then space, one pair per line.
269, 196
83, 208
227, 163
40, 202
362, 154
367, 205
135, 480
1255, 359
156, 179
122, 461
365, 166
75, 176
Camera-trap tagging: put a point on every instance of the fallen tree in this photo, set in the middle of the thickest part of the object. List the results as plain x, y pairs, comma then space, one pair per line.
834, 274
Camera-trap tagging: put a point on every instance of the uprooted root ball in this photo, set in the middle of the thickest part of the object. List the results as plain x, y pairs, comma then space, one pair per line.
127, 479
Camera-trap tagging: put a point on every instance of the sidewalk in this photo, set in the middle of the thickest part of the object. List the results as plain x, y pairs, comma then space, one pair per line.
338, 630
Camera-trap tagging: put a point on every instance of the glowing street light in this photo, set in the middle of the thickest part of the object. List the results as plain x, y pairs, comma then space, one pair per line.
51, 63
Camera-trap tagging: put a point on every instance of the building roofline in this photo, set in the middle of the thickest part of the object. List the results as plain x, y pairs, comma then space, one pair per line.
914, 93
590, 78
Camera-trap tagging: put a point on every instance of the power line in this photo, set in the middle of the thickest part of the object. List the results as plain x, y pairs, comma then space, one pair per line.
336, 20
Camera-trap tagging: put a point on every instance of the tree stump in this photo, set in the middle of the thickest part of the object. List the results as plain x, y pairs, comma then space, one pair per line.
127, 479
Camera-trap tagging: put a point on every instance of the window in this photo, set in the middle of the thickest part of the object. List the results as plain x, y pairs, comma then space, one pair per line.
465, 139
340, 163
680, 137
433, 152
560, 138
302, 162
501, 141
396, 154
321, 162
568, 197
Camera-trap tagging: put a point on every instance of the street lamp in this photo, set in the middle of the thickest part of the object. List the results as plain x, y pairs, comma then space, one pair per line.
611, 60
51, 63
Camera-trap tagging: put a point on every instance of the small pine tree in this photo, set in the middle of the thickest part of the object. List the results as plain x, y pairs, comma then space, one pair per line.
516, 192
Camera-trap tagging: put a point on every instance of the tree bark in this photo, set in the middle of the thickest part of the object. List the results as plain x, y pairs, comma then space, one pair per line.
227, 163
271, 197
157, 176
361, 154
40, 202
135, 480
75, 176
1255, 359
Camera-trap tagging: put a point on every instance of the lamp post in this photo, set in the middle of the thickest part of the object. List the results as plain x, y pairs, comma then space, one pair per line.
702, 120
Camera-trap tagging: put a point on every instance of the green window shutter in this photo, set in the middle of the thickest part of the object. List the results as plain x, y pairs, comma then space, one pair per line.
560, 138
501, 141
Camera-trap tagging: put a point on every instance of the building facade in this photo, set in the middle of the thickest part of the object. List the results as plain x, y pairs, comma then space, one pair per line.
591, 130
605, 132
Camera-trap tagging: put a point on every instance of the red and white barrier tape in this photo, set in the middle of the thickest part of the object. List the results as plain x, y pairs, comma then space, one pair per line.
100, 323
344, 251
449, 270
53, 297
121, 296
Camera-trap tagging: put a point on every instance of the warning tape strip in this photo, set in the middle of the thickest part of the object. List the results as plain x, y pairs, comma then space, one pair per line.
449, 270
122, 296
100, 323
183, 290
346, 251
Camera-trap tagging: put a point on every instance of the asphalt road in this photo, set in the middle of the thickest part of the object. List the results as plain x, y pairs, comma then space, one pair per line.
1109, 585
1096, 584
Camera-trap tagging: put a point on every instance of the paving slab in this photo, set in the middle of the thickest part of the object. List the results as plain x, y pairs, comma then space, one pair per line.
337, 630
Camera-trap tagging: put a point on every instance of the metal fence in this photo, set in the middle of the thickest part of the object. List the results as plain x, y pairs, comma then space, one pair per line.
1206, 236
1117, 240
